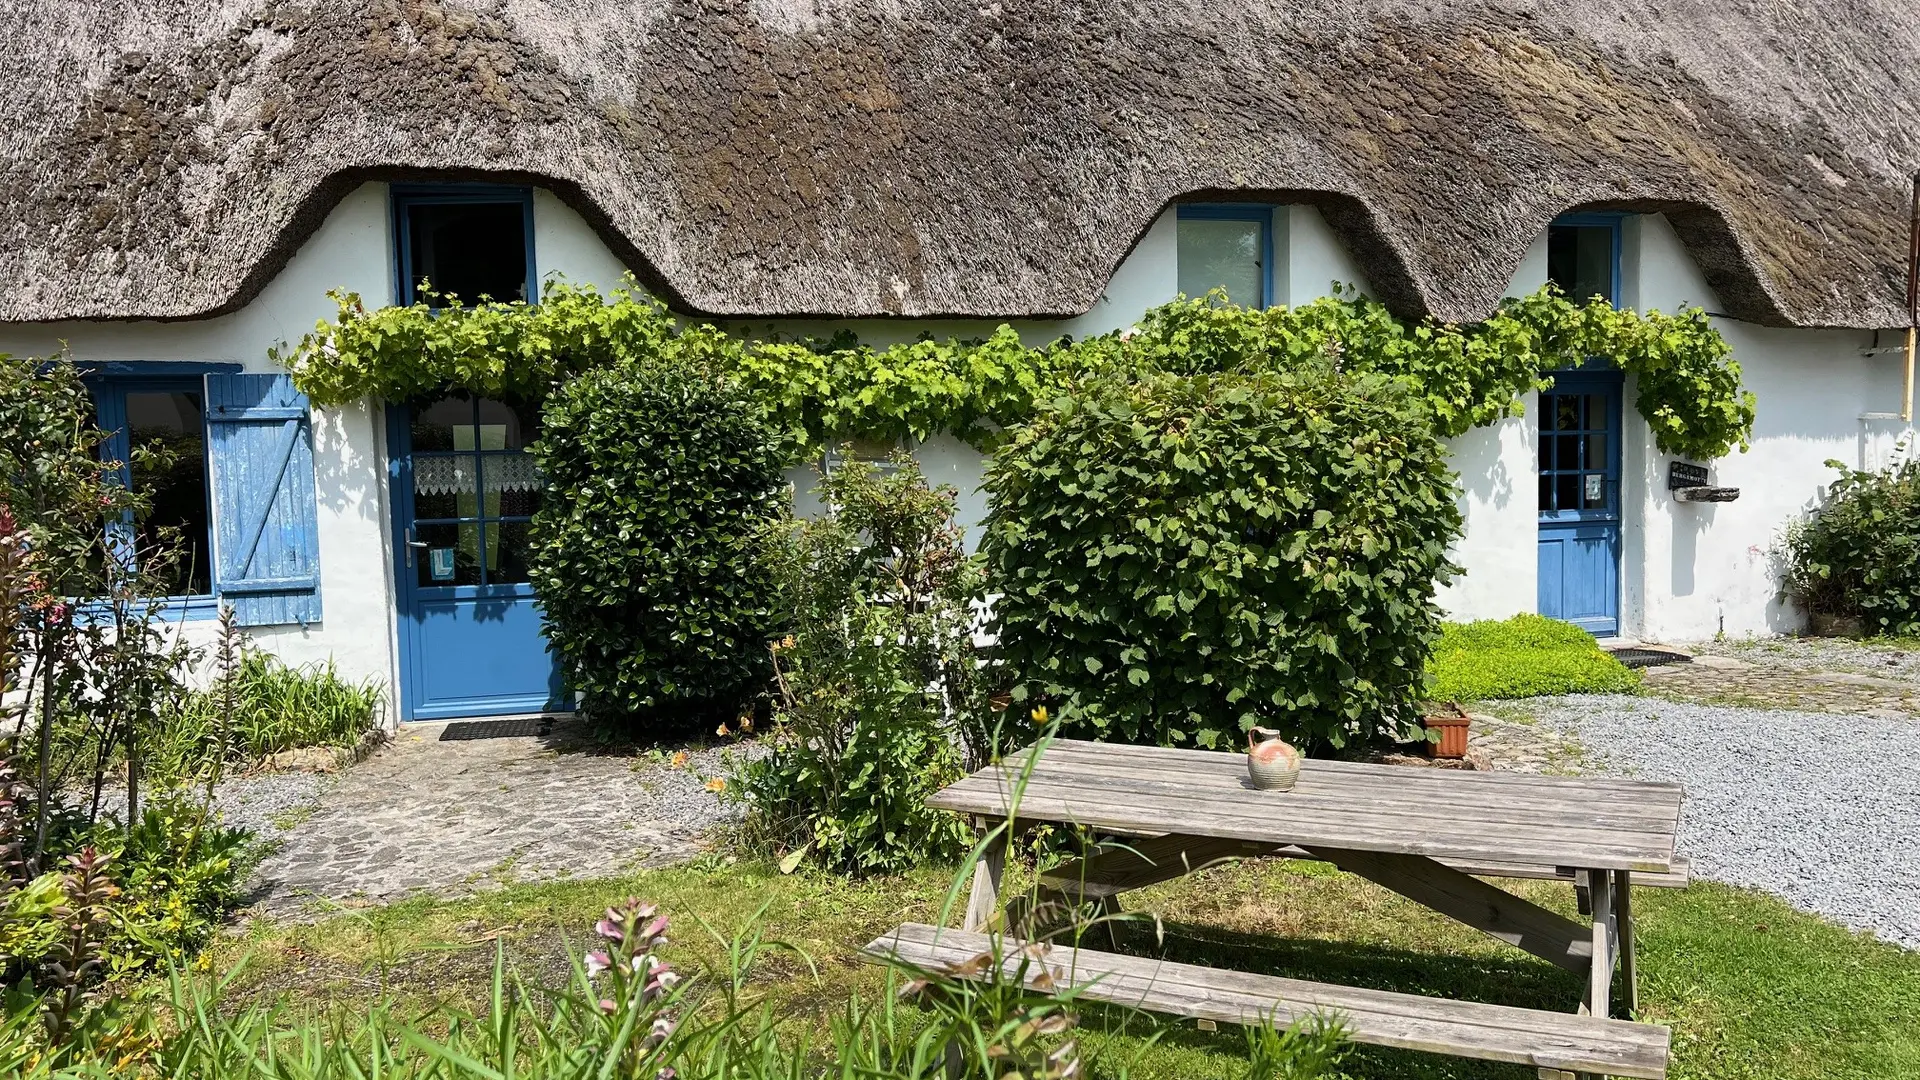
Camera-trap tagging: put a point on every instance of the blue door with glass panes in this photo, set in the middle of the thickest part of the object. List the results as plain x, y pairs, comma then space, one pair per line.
464, 488
1580, 500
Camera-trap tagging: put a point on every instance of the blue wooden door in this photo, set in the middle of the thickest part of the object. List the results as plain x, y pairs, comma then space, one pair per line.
464, 489
1580, 500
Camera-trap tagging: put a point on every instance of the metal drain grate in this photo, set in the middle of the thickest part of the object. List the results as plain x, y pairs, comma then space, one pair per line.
1639, 658
519, 727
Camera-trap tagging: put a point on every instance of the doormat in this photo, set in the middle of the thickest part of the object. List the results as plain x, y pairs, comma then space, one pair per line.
1643, 657
518, 727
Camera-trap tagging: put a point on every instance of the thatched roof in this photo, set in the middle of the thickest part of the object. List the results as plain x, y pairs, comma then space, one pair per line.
963, 157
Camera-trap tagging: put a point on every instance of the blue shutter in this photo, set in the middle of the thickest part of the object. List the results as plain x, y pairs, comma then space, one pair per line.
266, 546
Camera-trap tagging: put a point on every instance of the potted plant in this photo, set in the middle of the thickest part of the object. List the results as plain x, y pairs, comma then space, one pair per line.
1446, 726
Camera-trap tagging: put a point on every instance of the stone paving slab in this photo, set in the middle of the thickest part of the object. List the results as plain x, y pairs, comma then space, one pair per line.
1766, 683
425, 815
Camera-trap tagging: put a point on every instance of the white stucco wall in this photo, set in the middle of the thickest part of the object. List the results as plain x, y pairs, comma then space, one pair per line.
351, 250
1692, 570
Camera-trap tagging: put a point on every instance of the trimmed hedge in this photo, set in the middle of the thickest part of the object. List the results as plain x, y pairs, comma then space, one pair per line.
660, 477
1525, 656
1184, 557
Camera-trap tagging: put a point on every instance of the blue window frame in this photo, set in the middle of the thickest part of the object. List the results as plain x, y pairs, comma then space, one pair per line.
1227, 245
1583, 255
164, 402
467, 240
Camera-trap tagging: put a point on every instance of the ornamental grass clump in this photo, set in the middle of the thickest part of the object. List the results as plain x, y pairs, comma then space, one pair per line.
1182, 558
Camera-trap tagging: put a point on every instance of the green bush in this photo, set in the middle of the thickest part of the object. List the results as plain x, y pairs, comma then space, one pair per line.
881, 656
1859, 555
1525, 656
176, 874
660, 478
1183, 557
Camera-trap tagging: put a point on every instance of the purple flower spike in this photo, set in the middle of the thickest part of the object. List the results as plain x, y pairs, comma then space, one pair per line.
598, 961
609, 929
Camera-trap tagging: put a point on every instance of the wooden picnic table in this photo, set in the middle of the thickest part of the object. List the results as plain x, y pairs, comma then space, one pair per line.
1416, 831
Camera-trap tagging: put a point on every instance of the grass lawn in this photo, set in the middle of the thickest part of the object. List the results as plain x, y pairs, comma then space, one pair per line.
1753, 989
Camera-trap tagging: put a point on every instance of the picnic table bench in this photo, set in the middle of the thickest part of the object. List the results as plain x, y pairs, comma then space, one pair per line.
1416, 831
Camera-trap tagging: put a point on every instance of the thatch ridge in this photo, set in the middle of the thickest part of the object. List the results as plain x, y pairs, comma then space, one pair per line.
759, 158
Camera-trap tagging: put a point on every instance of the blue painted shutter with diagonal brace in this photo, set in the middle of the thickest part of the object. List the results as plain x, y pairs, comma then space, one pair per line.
260, 449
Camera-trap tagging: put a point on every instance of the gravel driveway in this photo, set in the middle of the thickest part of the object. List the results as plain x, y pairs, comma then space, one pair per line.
1821, 809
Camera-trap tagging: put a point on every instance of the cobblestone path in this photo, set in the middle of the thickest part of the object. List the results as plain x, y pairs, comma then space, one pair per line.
427, 814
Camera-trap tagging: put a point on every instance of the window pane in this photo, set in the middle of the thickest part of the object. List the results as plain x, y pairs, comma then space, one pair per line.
435, 424
445, 485
1596, 412
1567, 491
171, 427
1567, 453
507, 552
507, 427
514, 484
1596, 452
1546, 494
469, 250
1222, 254
1580, 261
451, 555
1566, 413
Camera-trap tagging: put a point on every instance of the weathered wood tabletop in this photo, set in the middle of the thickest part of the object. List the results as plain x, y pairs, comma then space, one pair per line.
1551, 821
1419, 832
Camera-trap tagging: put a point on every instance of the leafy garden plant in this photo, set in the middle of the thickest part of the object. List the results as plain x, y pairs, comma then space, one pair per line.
644, 554
877, 685
819, 392
1183, 557
1858, 556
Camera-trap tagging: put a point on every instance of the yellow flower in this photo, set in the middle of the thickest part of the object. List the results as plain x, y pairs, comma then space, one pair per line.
716, 785
723, 731
680, 760
1039, 714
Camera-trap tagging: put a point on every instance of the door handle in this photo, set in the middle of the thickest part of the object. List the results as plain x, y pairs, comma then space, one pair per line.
412, 545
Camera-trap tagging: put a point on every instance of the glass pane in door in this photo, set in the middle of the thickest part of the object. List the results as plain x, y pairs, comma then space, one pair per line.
475, 487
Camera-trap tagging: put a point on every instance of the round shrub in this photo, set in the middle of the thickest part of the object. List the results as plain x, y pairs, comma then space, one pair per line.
1859, 556
659, 477
1181, 558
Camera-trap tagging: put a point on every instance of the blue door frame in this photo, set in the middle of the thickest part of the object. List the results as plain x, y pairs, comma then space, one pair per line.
466, 649
1579, 499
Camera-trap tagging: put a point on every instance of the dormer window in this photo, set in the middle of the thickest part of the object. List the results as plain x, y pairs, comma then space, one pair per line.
1227, 247
469, 241
1583, 256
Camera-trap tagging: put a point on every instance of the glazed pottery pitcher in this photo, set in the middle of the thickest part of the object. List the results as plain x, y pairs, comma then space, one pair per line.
1272, 762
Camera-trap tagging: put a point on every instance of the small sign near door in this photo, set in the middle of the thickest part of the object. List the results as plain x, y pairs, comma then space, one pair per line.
440, 563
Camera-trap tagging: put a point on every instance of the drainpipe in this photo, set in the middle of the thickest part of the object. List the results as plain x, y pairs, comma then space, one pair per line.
1913, 297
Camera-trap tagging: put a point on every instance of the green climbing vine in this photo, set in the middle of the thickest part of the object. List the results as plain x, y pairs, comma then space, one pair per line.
819, 391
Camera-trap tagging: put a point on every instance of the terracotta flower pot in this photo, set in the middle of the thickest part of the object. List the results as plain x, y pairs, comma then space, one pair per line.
1453, 734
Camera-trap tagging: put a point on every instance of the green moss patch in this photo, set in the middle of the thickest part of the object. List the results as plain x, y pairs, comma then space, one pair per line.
1525, 656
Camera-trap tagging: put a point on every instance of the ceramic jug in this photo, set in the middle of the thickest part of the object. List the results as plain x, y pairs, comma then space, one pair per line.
1272, 762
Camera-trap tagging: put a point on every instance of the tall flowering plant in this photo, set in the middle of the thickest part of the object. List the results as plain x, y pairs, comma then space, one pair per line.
634, 992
